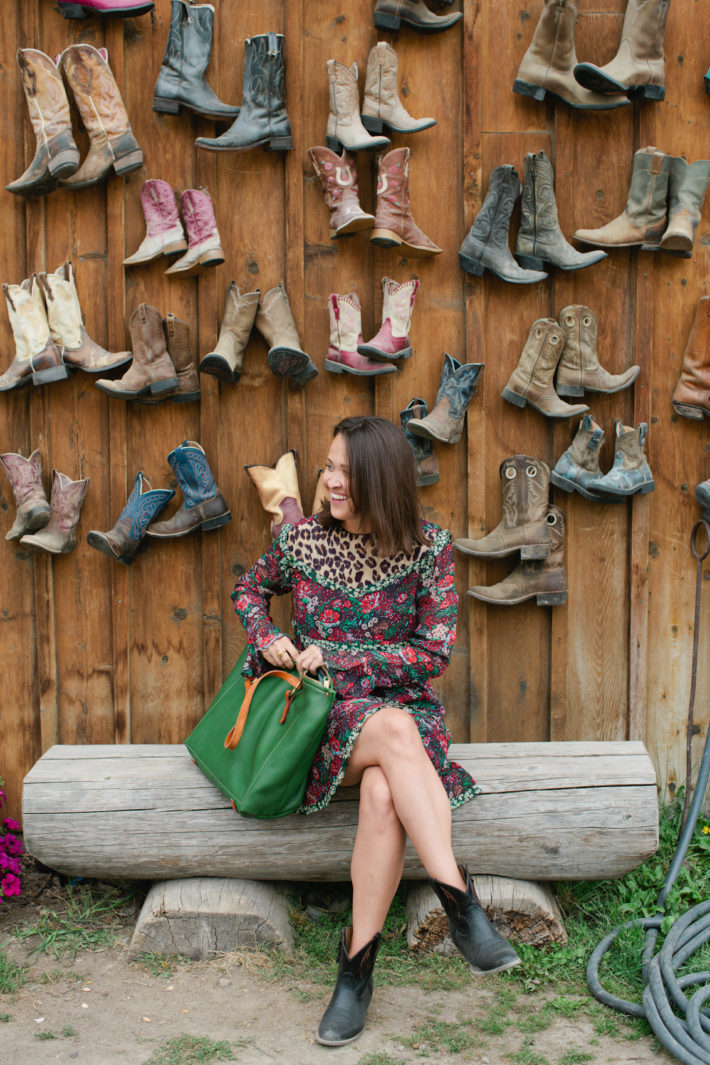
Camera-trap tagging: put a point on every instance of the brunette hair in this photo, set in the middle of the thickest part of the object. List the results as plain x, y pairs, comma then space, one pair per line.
383, 484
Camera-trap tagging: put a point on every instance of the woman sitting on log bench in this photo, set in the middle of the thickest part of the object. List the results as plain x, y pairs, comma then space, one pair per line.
374, 602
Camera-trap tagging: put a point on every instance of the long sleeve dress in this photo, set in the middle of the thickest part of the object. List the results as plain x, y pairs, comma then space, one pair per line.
385, 627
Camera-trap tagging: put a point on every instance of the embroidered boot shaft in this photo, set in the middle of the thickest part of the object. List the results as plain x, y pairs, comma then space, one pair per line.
25, 476
346, 338
123, 540
630, 473
112, 144
203, 505
338, 179
152, 372
392, 340
394, 225
540, 238
56, 155
58, 536
164, 232
204, 246
525, 488
485, 246
544, 580
181, 79
579, 368
262, 118
456, 390
531, 380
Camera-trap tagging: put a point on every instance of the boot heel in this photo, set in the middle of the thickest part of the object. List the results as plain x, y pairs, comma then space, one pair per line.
648, 487
164, 106
73, 11
471, 266
216, 366
130, 161
385, 238
524, 88
386, 22
372, 125
530, 262
688, 412
176, 248
513, 397
533, 551
651, 92
551, 598
53, 373
280, 144
186, 397
64, 163
562, 482
211, 258
334, 367
157, 387
569, 390
214, 523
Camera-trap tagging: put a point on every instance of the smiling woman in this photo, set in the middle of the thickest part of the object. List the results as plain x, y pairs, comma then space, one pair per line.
374, 602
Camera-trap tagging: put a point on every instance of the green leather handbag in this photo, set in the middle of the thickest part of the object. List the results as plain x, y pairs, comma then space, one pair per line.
258, 739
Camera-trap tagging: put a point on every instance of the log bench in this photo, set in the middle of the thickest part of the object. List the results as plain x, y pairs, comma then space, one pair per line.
548, 811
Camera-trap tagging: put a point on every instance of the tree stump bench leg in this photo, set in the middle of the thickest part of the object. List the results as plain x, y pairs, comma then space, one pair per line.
202, 916
521, 910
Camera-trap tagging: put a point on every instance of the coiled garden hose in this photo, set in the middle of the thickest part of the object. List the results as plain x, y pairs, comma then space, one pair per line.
687, 1037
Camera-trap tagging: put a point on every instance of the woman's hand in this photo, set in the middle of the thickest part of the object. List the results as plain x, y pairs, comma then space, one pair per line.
310, 659
281, 653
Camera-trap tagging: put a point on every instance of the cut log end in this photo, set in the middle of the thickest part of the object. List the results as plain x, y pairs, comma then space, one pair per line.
521, 910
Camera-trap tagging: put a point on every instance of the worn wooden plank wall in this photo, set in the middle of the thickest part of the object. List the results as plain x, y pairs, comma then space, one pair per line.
93, 652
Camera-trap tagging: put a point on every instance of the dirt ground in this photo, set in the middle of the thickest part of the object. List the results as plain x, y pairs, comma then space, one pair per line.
106, 1009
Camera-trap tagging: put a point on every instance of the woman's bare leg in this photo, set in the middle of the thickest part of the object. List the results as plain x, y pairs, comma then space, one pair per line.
390, 739
378, 857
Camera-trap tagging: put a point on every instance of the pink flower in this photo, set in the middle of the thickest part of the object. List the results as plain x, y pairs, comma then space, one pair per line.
11, 845
10, 885
330, 617
10, 825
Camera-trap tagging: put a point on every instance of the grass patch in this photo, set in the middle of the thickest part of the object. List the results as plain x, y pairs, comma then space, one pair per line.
160, 964
12, 976
527, 1055
576, 1057
433, 1035
380, 1058
192, 1050
90, 921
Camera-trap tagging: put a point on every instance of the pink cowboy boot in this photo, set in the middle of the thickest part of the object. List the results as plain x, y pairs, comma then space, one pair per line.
164, 232
392, 340
204, 245
346, 336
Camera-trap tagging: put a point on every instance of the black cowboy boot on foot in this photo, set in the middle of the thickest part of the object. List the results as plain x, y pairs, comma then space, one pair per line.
485, 950
344, 1018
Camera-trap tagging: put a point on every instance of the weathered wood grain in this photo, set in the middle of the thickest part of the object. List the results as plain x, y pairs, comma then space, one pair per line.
547, 812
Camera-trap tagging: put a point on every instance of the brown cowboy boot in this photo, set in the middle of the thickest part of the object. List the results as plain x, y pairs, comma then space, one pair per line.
390, 13
579, 368
66, 323
531, 380
643, 220
544, 579
203, 507
111, 140
274, 320
25, 476
394, 225
638, 68
152, 372
525, 487
57, 156
691, 398
381, 105
58, 536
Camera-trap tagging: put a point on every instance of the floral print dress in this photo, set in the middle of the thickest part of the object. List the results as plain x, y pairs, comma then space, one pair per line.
385, 627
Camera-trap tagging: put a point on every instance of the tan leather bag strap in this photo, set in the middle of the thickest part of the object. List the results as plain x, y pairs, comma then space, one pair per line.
250, 686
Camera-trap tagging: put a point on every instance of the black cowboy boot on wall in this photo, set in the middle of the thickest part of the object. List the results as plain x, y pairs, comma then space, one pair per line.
262, 118
181, 81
